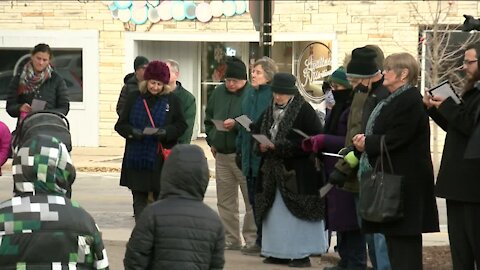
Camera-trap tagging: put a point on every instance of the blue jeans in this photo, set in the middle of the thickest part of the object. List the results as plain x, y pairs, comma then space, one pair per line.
251, 182
377, 246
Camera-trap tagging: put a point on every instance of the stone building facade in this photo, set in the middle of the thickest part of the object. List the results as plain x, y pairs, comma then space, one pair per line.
108, 45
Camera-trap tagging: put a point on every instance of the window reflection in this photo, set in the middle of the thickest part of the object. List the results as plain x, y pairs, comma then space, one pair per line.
67, 63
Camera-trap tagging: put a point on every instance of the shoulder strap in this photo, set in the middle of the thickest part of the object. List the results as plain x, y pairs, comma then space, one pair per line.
148, 112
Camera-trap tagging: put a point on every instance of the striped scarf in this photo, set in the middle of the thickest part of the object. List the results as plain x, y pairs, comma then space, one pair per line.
31, 82
142, 154
365, 165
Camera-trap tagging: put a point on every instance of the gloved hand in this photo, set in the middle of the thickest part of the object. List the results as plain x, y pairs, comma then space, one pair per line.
238, 160
136, 134
314, 144
337, 178
161, 134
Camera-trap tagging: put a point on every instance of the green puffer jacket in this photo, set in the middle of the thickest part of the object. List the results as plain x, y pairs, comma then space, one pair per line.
222, 105
187, 102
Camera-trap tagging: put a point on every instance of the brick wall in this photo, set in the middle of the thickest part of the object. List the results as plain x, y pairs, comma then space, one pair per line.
393, 25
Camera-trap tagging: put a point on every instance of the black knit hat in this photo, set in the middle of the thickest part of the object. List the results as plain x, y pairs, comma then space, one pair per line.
236, 69
284, 83
362, 64
139, 62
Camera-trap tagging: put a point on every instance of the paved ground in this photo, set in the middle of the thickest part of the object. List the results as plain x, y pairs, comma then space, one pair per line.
98, 192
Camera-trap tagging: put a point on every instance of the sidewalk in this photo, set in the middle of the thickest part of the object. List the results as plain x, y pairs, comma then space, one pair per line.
109, 160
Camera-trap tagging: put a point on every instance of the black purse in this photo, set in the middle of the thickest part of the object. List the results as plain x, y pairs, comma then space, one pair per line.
381, 194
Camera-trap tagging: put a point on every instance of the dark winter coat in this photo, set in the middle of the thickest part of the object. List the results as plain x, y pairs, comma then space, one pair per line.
288, 167
130, 85
254, 104
360, 110
175, 125
222, 105
40, 226
187, 101
458, 178
179, 231
341, 211
404, 122
54, 91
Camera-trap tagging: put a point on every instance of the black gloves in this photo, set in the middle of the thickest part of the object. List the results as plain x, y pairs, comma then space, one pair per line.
161, 134
238, 160
136, 134
337, 178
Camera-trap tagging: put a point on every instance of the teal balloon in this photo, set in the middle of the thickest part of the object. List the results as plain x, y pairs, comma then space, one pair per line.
122, 4
229, 8
241, 7
190, 10
178, 10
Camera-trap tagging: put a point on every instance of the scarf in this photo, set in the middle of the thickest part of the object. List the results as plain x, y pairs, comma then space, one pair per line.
277, 114
142, 154
365, 165
31, 82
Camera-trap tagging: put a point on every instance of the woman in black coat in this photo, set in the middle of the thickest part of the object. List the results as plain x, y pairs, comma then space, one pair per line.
143, 158
39, 81
402, 120
458, 177
287, 197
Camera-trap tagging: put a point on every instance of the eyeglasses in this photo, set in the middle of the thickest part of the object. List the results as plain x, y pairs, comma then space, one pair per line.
469, 62
233, 81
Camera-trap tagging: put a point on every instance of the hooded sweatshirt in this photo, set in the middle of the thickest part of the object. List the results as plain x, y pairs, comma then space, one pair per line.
39, 227
179, 231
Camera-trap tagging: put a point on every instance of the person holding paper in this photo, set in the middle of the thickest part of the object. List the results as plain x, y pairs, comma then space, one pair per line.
257, 99
403, 123
223, 106
287, 198
341, 210
151, 120
458, 177
37, 81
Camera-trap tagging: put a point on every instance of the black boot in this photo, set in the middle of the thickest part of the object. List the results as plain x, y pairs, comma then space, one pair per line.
300, 263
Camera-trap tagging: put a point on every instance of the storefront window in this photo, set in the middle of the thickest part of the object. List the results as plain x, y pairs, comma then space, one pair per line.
213, 67
67, 63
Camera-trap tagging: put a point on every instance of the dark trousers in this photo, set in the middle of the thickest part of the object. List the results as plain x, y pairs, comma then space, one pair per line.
251, 182
140, 201
352, 248
464, 234
405, 252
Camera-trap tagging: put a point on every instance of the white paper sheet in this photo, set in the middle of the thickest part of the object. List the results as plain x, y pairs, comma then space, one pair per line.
149, 131
444, 90
301, 133
38, 105
262, 139
244, 121
219, 125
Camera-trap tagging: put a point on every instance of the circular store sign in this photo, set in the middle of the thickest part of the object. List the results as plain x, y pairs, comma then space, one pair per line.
313, 67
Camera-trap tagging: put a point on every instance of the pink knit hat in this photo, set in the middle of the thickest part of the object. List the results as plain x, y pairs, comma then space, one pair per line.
157, 70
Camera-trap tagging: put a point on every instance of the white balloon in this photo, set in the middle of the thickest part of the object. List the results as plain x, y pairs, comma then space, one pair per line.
153, 15
124, 15
204, 12
217, 8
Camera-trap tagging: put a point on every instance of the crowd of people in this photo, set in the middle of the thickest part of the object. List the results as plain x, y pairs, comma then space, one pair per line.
375, 113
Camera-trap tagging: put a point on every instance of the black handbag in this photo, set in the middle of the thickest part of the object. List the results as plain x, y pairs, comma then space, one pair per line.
381, 194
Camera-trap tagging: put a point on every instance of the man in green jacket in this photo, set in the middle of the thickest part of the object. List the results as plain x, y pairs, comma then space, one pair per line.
224, 105
187, 100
